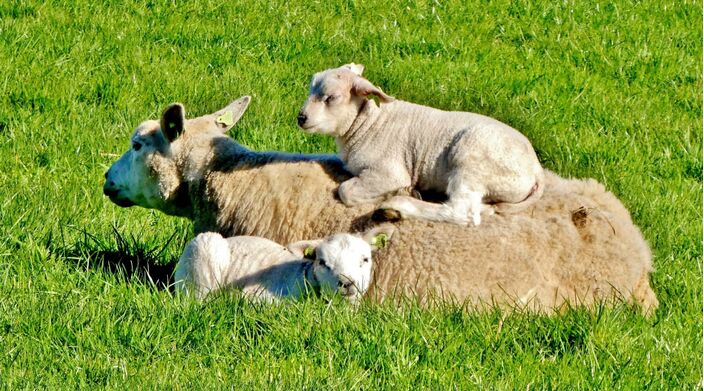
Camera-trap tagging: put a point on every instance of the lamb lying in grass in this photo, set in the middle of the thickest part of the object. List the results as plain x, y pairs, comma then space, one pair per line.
575, 244
480, 163
265, 270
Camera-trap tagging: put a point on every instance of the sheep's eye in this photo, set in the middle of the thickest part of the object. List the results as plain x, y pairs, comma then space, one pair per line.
137, 146
329, 99
321, 262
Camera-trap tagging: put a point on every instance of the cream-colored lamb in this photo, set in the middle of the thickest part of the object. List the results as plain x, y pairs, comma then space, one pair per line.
480, 163
576, 244
264, 269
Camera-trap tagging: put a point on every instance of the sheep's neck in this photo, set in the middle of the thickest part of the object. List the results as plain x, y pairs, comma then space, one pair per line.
236, 191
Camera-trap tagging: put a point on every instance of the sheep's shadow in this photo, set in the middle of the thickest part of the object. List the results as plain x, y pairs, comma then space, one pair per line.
125, 257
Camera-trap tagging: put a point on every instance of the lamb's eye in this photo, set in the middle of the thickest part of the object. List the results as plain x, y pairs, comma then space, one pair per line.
137, 146
321, 262
365, 260
329, 99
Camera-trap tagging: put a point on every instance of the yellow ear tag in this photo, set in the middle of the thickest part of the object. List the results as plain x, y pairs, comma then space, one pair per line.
380, 241
226, 119
309, 252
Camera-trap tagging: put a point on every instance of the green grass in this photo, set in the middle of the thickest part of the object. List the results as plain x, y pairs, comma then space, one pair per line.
605, 90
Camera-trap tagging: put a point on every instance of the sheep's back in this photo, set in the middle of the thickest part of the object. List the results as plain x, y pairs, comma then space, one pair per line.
282, 201
577, 243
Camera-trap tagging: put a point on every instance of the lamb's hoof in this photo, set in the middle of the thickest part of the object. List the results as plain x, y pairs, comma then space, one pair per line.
476, 220
460, 222
386, 215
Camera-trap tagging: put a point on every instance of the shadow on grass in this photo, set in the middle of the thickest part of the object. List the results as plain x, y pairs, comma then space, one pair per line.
125, 257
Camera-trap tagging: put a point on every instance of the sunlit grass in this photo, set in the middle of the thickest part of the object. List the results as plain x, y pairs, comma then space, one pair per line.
605, 90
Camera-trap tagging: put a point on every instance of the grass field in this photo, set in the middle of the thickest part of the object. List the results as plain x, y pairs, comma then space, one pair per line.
610, 90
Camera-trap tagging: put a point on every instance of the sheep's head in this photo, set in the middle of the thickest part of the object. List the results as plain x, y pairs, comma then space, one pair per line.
336, 97
342, 263
149, 173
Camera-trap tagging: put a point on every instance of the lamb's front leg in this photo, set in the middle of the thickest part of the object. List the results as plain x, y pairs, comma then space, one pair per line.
370, 188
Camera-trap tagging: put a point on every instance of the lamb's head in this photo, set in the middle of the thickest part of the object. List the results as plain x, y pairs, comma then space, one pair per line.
342, 263
149, 174
335, 98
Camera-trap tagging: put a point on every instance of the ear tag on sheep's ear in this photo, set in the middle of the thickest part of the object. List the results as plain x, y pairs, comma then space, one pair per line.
309, 253
226, 119
380, 241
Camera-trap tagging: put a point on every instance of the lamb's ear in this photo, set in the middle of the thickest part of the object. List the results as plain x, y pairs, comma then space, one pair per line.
173, 120
227, 117
379, 236
363, 87
356, 68
304, 248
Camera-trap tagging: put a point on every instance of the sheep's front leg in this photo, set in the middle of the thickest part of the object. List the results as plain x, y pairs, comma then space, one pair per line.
369, 188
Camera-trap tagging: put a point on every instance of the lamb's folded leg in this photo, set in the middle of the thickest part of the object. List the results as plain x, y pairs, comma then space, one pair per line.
410, 207
370, 188
461, 203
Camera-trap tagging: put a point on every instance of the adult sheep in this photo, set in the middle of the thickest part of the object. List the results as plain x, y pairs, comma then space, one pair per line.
576, 244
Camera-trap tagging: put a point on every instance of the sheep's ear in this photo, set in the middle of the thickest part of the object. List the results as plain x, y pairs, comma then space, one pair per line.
379, 236
363, 87
226, 118
304, 248
173, 120
356, 68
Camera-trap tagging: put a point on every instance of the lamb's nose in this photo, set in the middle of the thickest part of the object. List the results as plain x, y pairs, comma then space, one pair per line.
302, 118
108, 189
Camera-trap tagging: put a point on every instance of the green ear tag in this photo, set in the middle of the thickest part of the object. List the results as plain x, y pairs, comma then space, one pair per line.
380, 241
226, 119
309, 252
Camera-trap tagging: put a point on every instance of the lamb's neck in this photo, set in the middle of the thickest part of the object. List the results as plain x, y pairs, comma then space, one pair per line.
308, 274
297, 281
369, 117
379, 124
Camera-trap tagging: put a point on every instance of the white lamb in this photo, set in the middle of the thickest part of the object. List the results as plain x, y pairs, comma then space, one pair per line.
482, 164
265, 270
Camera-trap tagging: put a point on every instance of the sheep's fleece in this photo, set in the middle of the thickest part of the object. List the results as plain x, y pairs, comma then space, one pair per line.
577, 243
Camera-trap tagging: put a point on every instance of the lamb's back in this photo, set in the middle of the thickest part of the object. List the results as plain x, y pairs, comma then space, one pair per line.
437, 141
259, 264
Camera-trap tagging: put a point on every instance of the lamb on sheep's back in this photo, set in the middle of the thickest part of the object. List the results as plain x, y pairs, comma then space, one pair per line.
576, 244
482, 164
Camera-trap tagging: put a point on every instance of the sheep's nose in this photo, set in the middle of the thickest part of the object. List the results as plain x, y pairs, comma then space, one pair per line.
302, 118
